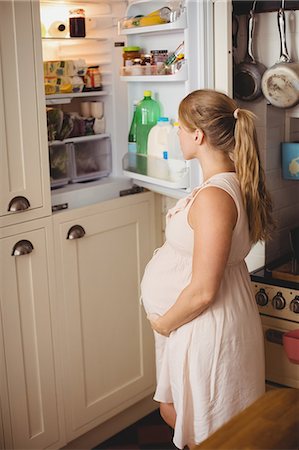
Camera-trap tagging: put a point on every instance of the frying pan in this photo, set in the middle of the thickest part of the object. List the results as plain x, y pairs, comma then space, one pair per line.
280, 83
248, 74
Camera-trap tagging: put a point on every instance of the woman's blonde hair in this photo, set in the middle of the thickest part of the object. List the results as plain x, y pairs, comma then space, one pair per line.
232, 130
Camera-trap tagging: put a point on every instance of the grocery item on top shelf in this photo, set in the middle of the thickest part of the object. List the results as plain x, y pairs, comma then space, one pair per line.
58, 85
77, 23
59, 68
93, 79
58, 29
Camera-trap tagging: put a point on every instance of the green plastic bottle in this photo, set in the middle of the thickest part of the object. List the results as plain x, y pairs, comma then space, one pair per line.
147, 115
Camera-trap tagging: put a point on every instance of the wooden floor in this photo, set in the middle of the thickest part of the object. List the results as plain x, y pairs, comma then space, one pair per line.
149, 433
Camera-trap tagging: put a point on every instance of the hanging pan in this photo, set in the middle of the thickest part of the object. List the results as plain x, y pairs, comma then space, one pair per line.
248, 74
280, 83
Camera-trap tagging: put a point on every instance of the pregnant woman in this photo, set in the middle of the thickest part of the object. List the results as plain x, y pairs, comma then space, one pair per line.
196, 288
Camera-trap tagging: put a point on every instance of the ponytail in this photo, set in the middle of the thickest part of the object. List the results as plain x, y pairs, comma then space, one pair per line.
232, 130
251, 176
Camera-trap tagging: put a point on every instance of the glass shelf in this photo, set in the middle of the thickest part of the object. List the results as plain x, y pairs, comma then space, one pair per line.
73, 39
92, 137
58, 99
170, 173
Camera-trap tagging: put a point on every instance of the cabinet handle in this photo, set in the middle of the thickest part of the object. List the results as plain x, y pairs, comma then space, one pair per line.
18, 204
75, 232
22, 247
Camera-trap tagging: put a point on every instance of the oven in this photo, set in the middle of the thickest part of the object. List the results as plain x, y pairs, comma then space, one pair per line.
278, 304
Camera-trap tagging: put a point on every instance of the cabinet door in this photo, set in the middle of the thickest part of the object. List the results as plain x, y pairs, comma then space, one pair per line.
24, 167
27, 388
109, 358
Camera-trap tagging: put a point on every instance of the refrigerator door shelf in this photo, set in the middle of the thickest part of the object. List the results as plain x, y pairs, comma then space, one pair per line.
179, 75
170, 173
179, 24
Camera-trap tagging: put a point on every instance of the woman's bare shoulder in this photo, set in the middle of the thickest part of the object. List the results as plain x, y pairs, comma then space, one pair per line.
212, 203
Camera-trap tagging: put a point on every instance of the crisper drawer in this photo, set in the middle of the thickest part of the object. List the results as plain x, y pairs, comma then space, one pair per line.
60, 167
90, 159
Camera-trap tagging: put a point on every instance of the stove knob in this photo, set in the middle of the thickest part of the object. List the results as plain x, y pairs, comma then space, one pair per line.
294, 305
261, 297
278, 302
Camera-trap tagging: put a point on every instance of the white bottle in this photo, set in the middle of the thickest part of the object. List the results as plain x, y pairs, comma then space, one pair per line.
157, 145
174, 151
176, 163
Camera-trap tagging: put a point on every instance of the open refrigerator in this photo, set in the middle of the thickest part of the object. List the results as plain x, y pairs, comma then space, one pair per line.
106, 36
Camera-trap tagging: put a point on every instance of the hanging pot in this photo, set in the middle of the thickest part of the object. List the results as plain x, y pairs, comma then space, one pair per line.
280, 83
248, 74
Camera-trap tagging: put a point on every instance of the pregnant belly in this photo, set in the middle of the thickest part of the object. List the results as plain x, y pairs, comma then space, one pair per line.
165, 276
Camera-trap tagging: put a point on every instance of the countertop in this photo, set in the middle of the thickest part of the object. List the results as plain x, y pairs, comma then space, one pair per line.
271, 423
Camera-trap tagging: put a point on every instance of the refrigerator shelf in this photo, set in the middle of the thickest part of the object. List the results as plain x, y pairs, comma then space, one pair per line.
169, 173
179, 24
56, 99
73, 39
92, 137
180, 75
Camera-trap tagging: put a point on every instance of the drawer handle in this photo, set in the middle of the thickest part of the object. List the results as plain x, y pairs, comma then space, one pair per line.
274, 336
22, 247
75, 232
18, 204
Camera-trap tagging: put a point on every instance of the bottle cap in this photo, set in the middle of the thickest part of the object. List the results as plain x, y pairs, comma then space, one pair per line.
163, 119
131, 49
147, 93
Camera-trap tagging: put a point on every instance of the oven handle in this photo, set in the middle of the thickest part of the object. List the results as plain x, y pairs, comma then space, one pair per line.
274, 336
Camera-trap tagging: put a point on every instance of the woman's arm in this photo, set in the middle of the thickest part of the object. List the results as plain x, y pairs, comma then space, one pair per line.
212, 216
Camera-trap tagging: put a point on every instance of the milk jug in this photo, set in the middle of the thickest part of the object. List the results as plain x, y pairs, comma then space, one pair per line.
158, 144
176, 162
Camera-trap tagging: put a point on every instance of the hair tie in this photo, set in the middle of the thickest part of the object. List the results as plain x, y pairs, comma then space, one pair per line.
235, 113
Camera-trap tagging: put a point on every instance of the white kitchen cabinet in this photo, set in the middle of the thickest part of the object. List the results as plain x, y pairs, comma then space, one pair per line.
24, 173
101, 252
28, 389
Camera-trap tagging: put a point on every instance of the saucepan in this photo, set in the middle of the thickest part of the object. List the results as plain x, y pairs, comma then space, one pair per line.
248, 74
280, 83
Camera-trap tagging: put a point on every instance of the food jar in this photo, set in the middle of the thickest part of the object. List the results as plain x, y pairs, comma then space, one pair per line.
129, 54
77, 23
92, 79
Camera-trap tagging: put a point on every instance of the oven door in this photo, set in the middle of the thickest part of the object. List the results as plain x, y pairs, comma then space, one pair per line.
279, 370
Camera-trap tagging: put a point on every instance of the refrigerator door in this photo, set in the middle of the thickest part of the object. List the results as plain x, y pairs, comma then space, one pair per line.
191, 23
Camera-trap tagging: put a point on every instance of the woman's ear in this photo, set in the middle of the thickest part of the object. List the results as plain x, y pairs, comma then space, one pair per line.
199, 135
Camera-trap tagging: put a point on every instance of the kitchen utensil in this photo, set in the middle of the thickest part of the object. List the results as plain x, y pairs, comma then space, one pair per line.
280, 83
248, 74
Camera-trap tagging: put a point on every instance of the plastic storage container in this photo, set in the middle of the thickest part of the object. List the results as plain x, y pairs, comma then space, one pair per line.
90, 160
59, 158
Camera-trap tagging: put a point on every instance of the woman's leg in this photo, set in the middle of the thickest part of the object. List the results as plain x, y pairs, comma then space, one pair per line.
168, 413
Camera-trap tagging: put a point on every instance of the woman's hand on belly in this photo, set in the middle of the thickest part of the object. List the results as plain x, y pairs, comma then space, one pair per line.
155, 324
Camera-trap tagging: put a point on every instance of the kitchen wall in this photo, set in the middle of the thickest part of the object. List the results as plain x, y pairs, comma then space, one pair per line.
271, 132
271, 126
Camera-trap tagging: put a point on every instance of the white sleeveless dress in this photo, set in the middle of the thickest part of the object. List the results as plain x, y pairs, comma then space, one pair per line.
212, 367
